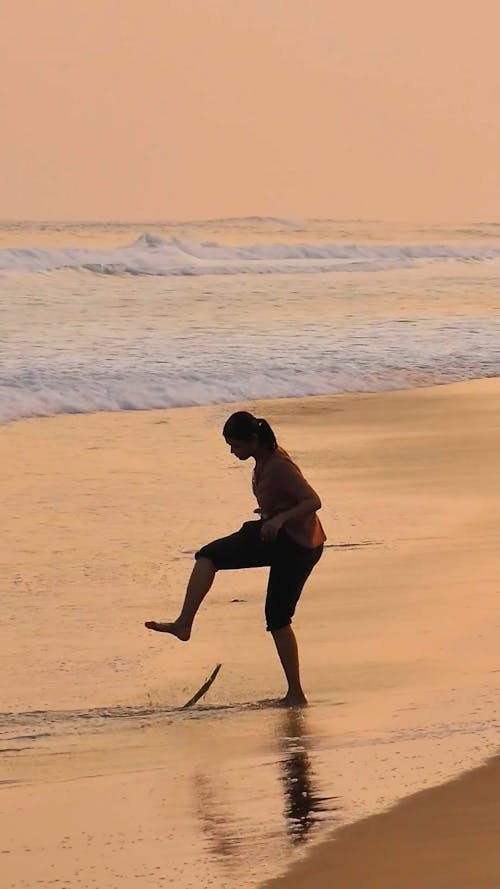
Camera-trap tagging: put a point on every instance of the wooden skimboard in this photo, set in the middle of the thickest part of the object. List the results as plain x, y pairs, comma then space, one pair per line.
204, 688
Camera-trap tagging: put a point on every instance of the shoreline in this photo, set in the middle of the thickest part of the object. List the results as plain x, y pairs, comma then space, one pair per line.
102, 515
443, 837
240, 403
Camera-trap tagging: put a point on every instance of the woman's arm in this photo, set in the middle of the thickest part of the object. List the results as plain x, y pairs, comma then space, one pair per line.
290, 487
305, 507
310, 504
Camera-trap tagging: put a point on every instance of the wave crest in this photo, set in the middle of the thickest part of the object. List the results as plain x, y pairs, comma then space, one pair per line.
153, 255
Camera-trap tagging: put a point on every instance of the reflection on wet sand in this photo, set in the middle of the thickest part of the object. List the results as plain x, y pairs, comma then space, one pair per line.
215, 823
304, 807
238, 828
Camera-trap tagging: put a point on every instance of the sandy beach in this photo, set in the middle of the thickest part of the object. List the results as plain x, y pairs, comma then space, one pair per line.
444, 837
105, 782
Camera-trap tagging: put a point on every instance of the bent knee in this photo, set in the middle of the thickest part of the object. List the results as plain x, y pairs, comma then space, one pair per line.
200, 557
276, 630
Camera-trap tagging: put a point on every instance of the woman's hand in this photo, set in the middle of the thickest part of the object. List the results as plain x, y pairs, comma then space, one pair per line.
270, 528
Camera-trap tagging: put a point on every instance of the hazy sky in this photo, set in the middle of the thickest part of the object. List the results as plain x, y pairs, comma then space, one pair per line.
162, 109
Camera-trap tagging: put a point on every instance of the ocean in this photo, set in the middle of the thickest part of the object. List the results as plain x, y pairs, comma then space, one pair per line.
106, 779
122, 316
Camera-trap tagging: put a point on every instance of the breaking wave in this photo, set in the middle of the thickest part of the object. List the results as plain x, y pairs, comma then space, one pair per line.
153, 255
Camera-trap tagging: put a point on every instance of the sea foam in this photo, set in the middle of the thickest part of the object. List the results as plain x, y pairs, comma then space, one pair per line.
153, 255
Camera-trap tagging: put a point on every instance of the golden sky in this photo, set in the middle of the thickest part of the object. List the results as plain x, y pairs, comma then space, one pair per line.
183, 109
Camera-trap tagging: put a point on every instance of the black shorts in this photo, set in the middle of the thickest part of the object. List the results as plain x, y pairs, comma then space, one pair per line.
290, 565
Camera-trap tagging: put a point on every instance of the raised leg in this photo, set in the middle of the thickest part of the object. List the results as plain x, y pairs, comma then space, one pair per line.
199, 583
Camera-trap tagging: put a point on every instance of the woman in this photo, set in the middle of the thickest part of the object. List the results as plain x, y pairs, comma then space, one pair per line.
288, 537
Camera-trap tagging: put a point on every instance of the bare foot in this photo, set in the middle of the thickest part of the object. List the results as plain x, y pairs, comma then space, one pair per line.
294, 700
175, 629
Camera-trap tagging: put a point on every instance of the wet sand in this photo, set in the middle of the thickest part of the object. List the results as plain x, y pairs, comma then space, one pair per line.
105, 782
441, 838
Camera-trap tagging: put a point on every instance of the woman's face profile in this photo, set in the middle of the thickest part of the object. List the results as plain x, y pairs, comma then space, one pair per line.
243, 449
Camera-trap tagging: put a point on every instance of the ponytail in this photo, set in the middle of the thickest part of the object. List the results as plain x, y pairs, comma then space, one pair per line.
266, 435
242, 425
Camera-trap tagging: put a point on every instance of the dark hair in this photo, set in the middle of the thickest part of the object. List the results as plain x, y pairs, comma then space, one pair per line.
242, 425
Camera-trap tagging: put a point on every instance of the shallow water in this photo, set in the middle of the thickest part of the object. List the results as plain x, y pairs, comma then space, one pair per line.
236, 792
